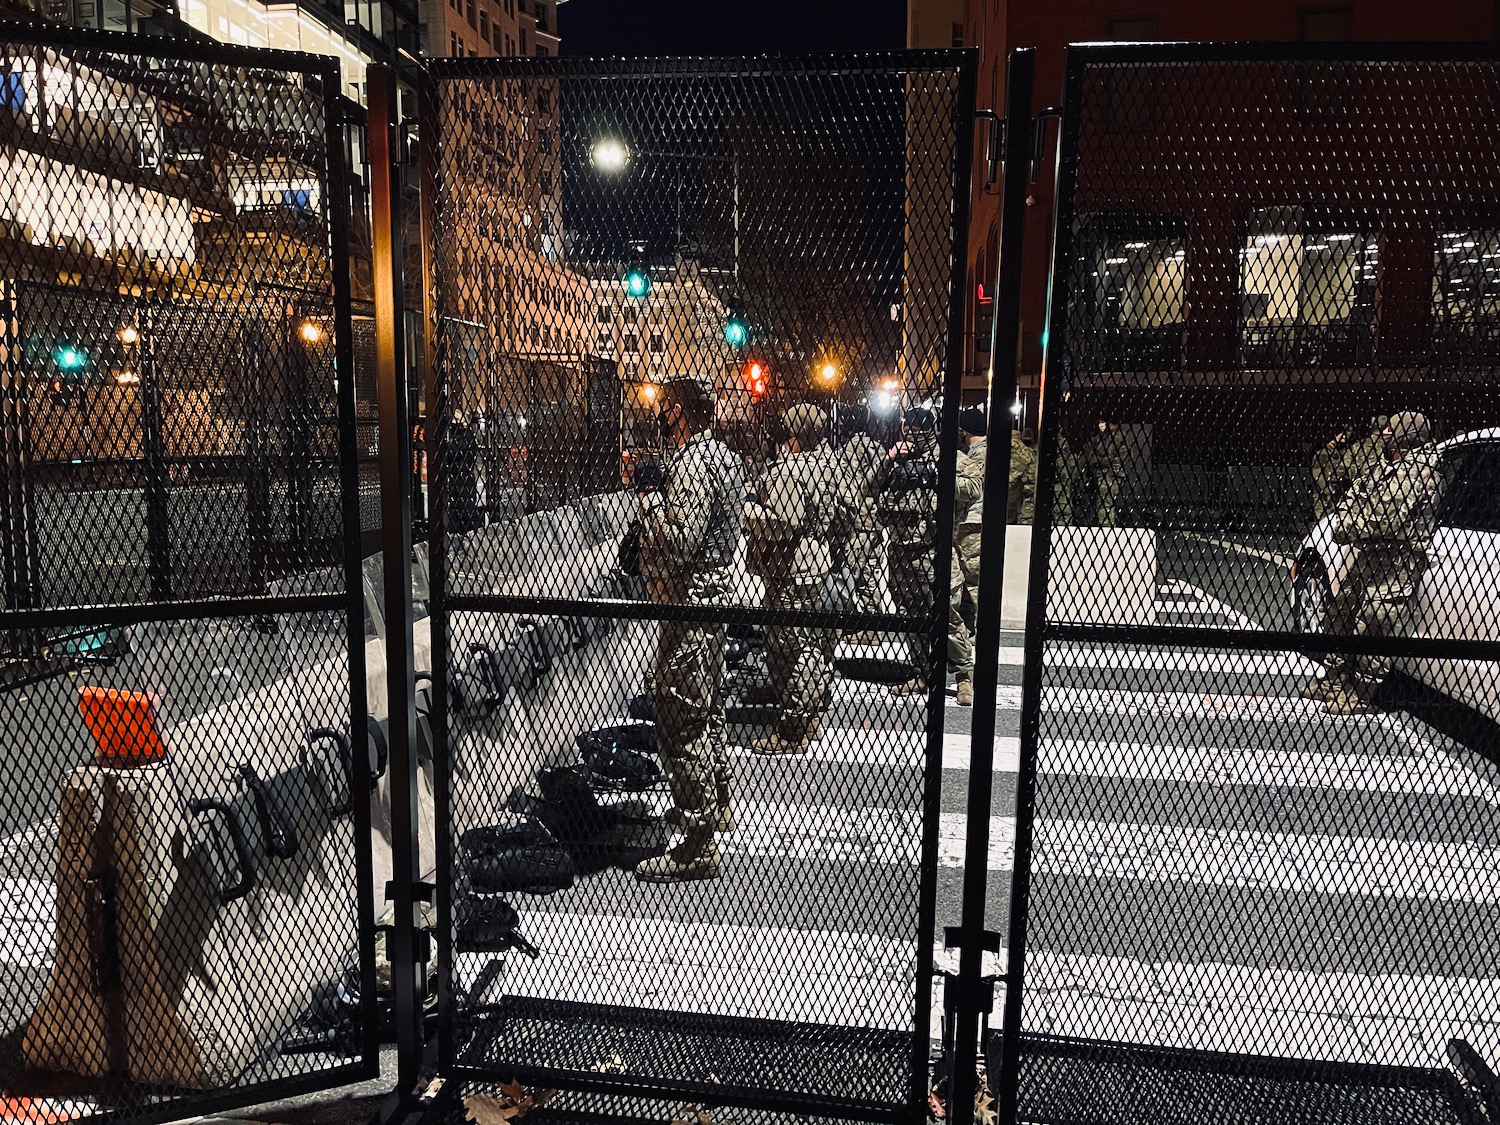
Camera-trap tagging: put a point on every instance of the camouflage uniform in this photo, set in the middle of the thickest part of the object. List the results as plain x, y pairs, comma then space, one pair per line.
911, 516
864, 462
1108, 452
1330, 475
1063, 483
1367, 453
1388, 516
691, 532
968, 521
799, 501
1020, 503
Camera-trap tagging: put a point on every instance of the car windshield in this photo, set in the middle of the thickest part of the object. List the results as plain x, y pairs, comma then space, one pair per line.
1471, 500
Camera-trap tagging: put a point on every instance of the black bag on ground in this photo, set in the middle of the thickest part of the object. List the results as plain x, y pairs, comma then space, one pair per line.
492, 925
515, 855
642, 707
621, 757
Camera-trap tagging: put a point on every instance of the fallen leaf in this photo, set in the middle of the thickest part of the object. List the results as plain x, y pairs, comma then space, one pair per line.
984, 1108
515, 1091
482, 1109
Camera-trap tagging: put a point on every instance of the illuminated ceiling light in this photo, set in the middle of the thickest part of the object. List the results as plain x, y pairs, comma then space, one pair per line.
1340, 238
129, 334
1116, 261
1136, 245
127, 378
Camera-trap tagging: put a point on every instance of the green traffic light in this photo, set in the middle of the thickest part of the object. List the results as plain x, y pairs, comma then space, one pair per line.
69, 358
737, 333
637, 283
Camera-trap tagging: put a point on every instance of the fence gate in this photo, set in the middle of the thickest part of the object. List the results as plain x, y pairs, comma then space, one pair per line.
186, 849
720, 240
1233, 902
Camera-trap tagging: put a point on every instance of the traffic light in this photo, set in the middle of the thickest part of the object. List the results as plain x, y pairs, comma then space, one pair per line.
69, 358
736, 332
637, 281
755, 379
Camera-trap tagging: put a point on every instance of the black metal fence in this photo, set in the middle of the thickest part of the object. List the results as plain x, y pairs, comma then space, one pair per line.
1257, 829
688, 842
186, 852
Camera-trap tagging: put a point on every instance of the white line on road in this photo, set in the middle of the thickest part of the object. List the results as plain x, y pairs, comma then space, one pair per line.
1283, 561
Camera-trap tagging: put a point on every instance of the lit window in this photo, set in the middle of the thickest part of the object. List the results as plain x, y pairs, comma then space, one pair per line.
1129, 292
1466, 295
1307, 288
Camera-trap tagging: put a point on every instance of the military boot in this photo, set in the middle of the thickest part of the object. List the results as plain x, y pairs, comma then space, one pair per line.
1325, 689
782, 744
1355, 698
966, 693
673, 817
697, 857
915, 686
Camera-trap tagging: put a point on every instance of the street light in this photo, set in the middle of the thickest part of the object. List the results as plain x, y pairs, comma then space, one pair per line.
610, 154
128, 335
310, 331
829, 373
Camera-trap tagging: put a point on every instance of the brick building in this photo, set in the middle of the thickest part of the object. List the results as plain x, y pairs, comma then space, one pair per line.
1198, 253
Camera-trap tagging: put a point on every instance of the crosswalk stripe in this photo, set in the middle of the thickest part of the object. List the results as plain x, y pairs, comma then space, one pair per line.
856, 979
27, 915
1240, 663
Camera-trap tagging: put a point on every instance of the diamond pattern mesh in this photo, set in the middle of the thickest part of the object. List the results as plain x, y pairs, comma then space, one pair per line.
693, 830
1266, 818
178, 843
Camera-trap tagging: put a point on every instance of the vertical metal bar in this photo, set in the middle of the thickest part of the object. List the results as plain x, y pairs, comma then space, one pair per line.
1050, 422
158, 515
407, 967
1004, 352
962, 123
353, 542
429, 138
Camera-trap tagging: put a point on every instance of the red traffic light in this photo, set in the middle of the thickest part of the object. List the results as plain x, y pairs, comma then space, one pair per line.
755, 378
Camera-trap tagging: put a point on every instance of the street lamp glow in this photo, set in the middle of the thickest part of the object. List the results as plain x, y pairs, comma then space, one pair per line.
828, 372
610, 155
310, 331
129, 334
127, 378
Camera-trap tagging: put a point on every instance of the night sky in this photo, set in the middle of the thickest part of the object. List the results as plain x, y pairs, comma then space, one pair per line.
706, 27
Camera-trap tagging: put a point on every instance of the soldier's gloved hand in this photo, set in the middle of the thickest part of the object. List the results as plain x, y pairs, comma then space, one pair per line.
650, 476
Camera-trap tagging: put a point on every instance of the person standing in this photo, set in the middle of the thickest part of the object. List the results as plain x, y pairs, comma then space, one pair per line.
690, 533
1020, 500
1108, 453
968, 523
1330, 473
1388, 518
800, 502
865, 464
907, 505
461, 459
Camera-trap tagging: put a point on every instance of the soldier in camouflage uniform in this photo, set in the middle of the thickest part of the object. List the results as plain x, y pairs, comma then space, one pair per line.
1108, 455
865, 463
1388, 518
1020, 500
802, 506
907, 505
1330, 475
1368, 453
968, 522
691, 532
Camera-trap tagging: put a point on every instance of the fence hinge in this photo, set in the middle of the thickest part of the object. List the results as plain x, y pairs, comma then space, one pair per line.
953, 938
1039, 138
994, 151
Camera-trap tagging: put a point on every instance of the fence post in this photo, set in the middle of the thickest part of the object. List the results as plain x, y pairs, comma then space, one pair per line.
158, 515
973, 997
408, 960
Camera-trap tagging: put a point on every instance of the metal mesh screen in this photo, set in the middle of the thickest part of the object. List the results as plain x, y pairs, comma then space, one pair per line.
186, 836
691, 821
1263, 842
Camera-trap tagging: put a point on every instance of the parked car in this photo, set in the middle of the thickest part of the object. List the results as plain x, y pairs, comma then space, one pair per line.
1459, 595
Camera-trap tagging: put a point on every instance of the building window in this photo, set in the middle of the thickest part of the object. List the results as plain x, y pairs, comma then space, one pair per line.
1307, 288
525, 50
1466, 295
629, 314
473, 15
605, 345
606, 315
1132, 29
1129, 292
484, 26
632, 343
544, 101
541, 51
453, 47
656, 342
958, 34
544, 182
1325, 25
